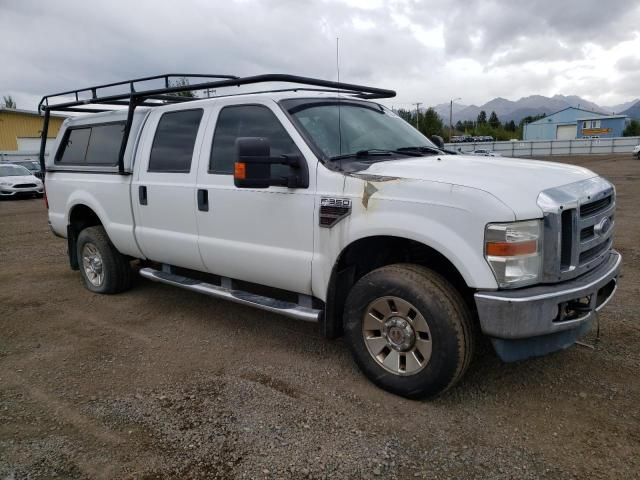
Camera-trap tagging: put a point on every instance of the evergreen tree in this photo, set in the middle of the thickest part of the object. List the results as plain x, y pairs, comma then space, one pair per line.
632, 129
9, 102
430, 123
494, 121
182, 82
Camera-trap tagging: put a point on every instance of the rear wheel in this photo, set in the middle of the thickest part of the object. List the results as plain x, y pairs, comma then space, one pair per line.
409, 330
103, 268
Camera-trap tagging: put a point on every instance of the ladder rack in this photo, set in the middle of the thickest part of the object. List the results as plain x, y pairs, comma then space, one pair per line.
154, 97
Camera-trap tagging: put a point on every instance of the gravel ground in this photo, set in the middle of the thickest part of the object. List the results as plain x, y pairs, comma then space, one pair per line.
162, 383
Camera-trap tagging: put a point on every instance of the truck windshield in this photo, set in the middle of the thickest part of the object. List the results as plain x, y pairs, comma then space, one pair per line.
348, 128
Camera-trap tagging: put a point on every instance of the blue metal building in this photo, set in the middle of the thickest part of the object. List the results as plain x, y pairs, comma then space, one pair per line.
561, 125
602, 126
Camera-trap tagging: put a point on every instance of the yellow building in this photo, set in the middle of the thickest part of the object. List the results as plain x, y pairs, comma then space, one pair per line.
21, 129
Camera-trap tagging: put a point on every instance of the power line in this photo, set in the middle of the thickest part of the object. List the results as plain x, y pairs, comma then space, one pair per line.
417, 104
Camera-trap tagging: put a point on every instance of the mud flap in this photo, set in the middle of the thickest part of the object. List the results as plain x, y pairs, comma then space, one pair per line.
72, 249
523, 348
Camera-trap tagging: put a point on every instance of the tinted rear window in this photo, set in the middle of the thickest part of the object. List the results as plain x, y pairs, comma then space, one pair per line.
104, 144
93, 145
174, 141
75, 147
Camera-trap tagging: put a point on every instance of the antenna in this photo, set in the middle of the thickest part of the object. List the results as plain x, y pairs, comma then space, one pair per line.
338, 57
339, 109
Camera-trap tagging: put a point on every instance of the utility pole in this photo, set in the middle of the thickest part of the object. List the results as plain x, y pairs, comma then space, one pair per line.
417, 104
451, 117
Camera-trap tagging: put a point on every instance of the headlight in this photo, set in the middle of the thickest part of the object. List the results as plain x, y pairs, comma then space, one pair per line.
5, 184
514, 252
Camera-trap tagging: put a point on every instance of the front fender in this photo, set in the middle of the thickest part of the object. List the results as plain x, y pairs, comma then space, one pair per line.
450, 219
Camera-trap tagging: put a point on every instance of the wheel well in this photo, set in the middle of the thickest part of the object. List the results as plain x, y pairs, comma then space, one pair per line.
80, 218
367, 254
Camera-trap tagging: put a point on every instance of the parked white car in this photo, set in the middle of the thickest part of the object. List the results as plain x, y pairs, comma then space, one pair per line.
327, 207
16, 181
636, 151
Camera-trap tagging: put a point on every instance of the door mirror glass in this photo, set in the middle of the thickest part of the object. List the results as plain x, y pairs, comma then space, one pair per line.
252, 168
437, 139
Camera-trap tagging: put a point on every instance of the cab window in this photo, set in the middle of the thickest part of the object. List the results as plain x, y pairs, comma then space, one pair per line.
248, 121
174, 141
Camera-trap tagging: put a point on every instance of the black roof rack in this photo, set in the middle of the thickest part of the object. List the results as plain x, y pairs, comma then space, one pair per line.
162, 96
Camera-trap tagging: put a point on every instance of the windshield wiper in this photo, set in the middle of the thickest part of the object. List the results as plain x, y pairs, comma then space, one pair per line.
378, 152
421, 149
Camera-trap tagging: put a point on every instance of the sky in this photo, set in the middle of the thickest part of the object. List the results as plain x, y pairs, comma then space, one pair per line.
428, 51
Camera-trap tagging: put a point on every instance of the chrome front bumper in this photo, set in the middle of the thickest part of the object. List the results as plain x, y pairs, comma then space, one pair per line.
10, 191
540, 311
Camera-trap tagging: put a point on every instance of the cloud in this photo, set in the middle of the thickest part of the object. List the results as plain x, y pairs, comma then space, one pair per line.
485, 28
428, 52
628, 64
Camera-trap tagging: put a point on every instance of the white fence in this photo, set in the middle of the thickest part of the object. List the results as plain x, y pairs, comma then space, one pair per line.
521, 148
533, 148
17, 156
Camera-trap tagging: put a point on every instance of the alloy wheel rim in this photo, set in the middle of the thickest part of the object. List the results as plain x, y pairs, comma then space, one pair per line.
397, 335
92, 264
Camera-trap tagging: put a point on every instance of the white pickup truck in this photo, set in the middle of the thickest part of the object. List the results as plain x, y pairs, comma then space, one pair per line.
325, 206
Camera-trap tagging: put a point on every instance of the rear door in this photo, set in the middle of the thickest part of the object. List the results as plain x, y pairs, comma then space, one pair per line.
163, 190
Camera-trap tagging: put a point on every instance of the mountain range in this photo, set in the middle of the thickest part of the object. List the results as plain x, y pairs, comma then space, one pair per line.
508, 110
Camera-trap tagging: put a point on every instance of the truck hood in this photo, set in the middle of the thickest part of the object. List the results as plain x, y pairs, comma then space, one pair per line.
514, 181
13, 180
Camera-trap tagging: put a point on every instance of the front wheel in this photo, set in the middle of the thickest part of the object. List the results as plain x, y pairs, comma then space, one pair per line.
409, 330
103, 268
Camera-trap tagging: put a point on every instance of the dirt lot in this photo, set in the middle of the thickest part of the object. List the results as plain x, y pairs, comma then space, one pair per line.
162, 383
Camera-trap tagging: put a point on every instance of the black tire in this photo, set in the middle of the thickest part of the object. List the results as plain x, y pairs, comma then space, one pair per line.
440, 305
115, 267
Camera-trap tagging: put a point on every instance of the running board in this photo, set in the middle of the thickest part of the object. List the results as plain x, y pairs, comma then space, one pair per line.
288, 309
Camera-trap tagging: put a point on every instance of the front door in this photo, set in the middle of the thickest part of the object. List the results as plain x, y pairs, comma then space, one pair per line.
265, 235
164, 188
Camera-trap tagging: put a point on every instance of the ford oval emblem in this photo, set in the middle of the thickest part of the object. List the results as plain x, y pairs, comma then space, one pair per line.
602, 227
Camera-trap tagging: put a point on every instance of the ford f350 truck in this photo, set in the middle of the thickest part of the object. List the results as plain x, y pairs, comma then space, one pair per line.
316, 202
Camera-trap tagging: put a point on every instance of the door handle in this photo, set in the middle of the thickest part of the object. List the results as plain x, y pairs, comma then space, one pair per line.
203, 200
142, 194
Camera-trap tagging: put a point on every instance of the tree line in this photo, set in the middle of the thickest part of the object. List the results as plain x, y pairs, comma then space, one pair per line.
429, 123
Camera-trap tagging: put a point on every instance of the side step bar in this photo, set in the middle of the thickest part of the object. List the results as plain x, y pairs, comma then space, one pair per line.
288, 309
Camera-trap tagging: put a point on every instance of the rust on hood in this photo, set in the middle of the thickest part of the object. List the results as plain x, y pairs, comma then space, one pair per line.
369, 190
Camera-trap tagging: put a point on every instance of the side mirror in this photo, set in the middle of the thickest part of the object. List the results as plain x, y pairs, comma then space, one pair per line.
437, 140
252, 168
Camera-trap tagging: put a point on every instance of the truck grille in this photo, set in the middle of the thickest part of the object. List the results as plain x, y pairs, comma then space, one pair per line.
593, 252
578, 228
593, 208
